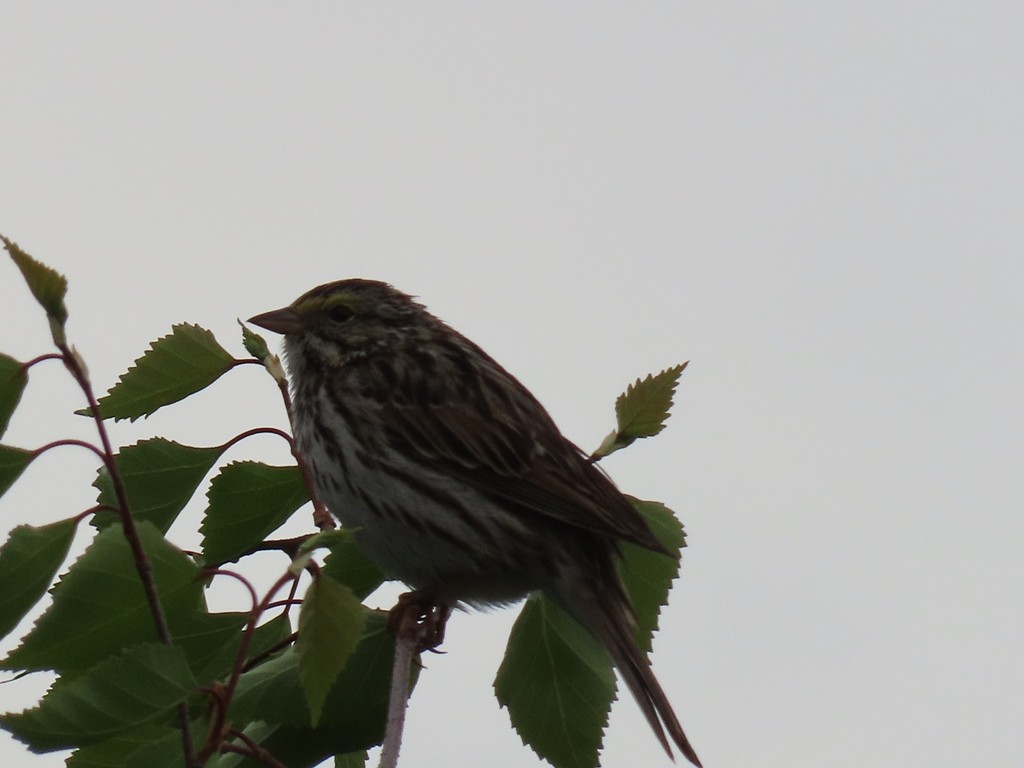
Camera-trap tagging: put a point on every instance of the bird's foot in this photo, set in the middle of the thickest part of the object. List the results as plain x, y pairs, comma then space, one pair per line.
419, 612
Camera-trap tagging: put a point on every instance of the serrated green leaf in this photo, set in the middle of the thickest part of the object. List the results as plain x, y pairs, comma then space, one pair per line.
348, 565
28, 562
557, 683
641, 411
114, 696
13, 379
99, 606
174, 367
648, 575
47, 285
160, 477
331, 623
643, 408
12, 463
247, 501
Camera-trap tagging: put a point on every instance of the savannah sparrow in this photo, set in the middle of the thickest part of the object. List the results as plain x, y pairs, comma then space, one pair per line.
458, 480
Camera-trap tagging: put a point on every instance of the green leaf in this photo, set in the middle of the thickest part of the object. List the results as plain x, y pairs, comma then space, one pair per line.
641, 411
258, 733
353, 715
28, 562
254, 344
160, 477
99, 606
47, 285
331, 624
211, 643
323, 540
174, 367
114, 696
643, 408
209, 638
348, 565
351, 759
272, 692
648, 575
165, 751
557, 683
12, 463
13, 379
248, 500
148, 746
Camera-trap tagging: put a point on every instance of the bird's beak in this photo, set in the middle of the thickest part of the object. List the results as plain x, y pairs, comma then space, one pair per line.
282, 321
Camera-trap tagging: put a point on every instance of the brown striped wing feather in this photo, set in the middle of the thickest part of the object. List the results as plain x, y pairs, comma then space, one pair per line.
509, 458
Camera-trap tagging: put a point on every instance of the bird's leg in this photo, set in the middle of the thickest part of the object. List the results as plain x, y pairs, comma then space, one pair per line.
421, 607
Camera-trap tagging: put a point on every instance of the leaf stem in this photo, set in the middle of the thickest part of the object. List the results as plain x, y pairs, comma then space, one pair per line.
41, 358
280, 645
258, 431
321, 517
131, 534
254, 598
251, 749
215, 737
104, 457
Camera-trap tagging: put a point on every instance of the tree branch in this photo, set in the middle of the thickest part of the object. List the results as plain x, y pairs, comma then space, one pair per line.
215, 737
131, 534
251, 749
411, 633
321, 517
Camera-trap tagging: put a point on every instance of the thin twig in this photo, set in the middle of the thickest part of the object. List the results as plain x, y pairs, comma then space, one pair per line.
258, 431
411, 632
289, 546
291, 596
41, 358
259, 657
105, 458
321, 517
251, 749
253, 597
131, 534
287, 603
215, 737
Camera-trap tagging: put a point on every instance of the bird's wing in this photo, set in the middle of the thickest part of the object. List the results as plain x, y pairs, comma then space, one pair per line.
518, 456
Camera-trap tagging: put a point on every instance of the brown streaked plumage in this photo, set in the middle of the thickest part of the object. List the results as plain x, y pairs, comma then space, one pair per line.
457, 478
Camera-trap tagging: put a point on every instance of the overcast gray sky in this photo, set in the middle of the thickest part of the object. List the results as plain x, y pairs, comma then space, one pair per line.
819, 204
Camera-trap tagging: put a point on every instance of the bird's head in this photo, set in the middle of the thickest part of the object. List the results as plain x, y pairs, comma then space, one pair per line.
334, 322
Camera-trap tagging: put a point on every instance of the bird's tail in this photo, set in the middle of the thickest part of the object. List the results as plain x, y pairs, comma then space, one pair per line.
610, 618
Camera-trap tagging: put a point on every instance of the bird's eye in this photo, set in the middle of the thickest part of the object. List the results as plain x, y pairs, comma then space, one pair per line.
340, 313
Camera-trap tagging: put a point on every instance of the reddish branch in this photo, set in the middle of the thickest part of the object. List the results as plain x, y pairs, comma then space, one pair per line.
251, 749
41, 358
321, 517
131, 534
223, 694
